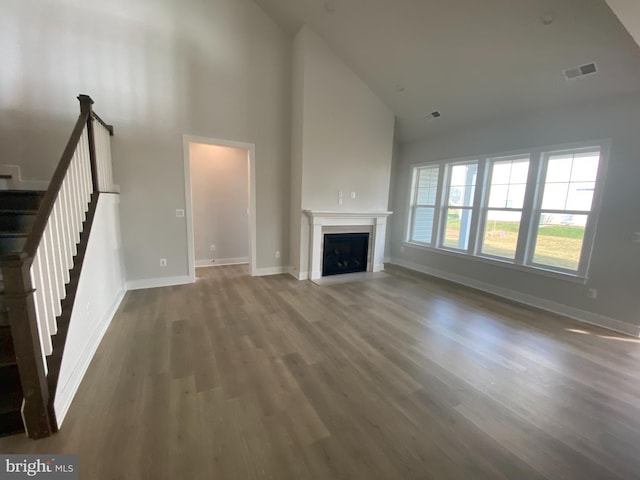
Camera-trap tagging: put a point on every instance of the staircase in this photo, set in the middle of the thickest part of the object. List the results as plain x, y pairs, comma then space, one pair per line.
18, 209
43, 239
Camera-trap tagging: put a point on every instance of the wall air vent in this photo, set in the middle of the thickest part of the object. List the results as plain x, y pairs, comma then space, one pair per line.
581, 71
433, 115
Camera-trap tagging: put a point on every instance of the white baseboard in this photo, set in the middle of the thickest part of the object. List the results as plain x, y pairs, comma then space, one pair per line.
222, 261
299, 275
548, 305
66, 392
159, 282
263, 272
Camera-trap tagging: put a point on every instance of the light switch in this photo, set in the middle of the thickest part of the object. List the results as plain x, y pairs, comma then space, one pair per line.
179, 212
353, 194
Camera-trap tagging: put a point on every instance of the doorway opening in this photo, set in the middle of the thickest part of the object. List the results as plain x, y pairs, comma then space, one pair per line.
220, 201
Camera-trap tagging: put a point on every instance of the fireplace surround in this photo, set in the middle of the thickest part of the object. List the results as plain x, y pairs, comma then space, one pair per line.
327, 222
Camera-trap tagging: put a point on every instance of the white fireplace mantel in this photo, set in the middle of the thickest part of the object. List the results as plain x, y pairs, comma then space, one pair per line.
377, 221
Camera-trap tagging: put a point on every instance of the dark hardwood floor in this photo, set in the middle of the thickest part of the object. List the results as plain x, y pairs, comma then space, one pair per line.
403, 377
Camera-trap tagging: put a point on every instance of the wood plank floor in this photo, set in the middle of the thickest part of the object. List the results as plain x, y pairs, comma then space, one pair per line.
403, 377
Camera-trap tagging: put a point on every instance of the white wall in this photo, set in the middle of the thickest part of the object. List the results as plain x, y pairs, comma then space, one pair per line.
628, 11
615, 266
100, 290
342, 139
157, 69
220, 197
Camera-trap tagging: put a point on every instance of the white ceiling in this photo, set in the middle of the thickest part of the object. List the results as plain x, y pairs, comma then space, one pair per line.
473, 60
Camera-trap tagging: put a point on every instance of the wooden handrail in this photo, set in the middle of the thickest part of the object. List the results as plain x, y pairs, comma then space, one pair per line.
48, 201
27, 290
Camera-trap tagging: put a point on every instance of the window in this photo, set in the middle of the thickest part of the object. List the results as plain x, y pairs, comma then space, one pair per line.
566, 202
424, 204
507, 186
535, 209
459, 210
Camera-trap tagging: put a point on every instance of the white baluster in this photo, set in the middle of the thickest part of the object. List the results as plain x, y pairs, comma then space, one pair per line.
53, 268
43, 326
57, 251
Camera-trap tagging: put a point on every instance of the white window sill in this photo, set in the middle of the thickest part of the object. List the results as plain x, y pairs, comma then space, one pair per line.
503, 263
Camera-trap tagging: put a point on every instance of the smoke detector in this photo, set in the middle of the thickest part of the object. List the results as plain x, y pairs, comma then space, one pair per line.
581, 71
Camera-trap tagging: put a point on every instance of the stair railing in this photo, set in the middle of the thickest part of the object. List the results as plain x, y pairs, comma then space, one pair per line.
35, 279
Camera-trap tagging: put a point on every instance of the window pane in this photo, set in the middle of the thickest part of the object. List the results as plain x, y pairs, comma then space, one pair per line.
508, 183
570, 181
555, 196
498, 196
501, 233
457, 228
501, 174
559, 168
580, 196
516, 196
559, 240
520, 171
462, 184
585, 167
423, 224
427, 185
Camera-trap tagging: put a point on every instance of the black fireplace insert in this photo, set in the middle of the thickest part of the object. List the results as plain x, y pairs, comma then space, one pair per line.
345, 253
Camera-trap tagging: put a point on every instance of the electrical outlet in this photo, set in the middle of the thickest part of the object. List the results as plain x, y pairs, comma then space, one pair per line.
213, 247
592, 293
339, 201
180, 212
163, 262
353, 195
278, 254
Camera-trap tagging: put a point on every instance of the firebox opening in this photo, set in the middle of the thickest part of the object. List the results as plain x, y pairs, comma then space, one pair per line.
345, 253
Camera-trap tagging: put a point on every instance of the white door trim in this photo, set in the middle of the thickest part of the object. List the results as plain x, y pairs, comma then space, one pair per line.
251, 148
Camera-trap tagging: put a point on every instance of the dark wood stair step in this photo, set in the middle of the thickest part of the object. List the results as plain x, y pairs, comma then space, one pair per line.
20, 199
7, 354
10, 401
11, 242
18, 221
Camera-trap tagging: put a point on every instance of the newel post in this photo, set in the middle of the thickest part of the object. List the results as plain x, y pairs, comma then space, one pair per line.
86, 103
18, 298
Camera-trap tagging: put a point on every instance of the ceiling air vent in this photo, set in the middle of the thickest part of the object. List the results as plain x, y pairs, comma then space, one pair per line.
433, 115
581, 71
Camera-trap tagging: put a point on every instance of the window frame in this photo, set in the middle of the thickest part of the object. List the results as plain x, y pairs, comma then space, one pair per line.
444, 205
527, 236
413, 205
592, 214
525, 211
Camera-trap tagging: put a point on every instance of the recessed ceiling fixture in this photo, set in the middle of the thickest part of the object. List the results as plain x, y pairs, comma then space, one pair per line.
400, 88
581, 71
434, 115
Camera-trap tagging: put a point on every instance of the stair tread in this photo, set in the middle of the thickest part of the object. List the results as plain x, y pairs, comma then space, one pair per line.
10, 234
18, 211
32, 193
11, 392
7, 354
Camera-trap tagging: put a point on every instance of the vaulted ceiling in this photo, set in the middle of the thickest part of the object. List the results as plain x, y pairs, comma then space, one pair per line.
474, 61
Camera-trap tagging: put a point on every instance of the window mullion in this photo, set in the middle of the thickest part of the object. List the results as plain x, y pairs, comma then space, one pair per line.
441, 195
531, 208
480, 186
